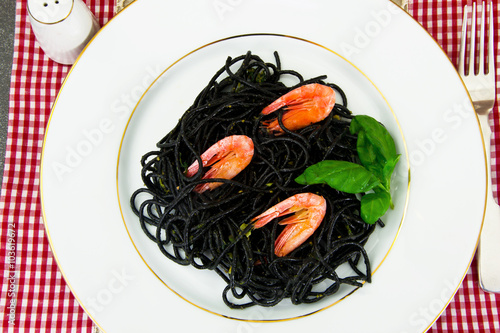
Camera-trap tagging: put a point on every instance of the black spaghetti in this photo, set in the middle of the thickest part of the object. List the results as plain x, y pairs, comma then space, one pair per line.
213, 230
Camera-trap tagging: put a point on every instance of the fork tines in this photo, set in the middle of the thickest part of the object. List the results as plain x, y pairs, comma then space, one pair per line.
470, 56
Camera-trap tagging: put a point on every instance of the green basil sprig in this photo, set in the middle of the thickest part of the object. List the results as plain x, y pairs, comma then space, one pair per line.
377, 154
376, 148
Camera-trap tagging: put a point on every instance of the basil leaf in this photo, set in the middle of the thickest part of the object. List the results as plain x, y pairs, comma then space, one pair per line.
376, 148
374, 205
341, 175
388, 170
375, 135
366, 151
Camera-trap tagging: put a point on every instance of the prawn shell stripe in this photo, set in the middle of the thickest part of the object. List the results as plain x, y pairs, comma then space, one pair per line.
227, 158
308, 211
305, 105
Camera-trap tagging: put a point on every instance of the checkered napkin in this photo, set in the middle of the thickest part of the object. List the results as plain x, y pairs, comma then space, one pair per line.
34, 296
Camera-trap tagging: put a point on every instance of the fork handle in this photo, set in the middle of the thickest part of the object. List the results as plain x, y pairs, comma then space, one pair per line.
489, 243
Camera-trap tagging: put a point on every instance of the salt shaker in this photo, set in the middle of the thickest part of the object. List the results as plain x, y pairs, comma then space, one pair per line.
62, 27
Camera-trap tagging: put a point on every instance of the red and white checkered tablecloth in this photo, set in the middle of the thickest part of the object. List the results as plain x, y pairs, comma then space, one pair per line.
34, 296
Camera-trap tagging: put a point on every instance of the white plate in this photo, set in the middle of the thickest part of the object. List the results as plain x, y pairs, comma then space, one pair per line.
79, 164
165, 101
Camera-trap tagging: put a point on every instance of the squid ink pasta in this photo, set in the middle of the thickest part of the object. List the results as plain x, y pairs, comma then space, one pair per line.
214, 229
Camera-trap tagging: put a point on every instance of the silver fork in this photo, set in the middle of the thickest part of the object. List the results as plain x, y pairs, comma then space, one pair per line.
480, 83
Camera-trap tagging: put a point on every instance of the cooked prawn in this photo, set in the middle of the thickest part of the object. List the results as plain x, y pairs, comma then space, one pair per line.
308, 211
228, 157
305, 105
